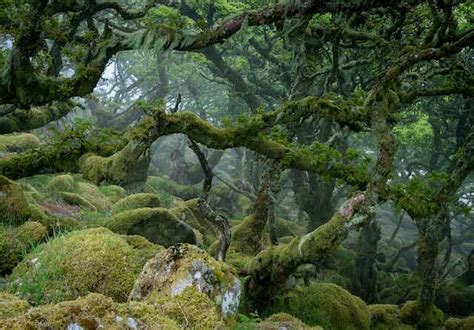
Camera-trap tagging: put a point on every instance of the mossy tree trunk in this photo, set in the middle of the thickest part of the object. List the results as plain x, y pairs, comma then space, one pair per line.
364, 282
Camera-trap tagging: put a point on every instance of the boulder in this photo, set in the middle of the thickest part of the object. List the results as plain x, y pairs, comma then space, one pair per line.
72, 265
284, 321
16, 241
136, 201
184, 276
14, 208
326, 305
93, 311
158, 225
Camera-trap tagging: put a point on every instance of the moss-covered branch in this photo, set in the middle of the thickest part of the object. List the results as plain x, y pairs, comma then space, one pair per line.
21, 120
269, 270
250, 134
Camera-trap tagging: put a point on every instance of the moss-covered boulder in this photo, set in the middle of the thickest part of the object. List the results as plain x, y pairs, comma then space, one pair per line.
18, 142
61, 183
11, 306
386, 316
145, 248
158, 225
69, 266
326, 305
460, 324
282, 321
113, 193
15, 242
93, 195
186, 275
78, 200
189, 213
54, 224
14, 208
410, 313
94, 311
136, 201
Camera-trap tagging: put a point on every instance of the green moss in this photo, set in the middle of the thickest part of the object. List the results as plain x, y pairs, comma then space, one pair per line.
282, 321
91, 260
460, 324
14, 208
11, 306
150, 314
52, 223
93, 195
61, 183
411, 314
146, 249
386, 317
75, 199
246, 239
325, 304
15, 242
93, 311
113, 193
191, 308
136, 201
158, 225
18, 142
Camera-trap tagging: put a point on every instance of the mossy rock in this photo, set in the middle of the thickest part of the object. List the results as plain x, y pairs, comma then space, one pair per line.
146, 249
283, 321
15, 242
192, 308
136, 201
52, 223
93, 195
69, 266
411, 314
11, 306
460, 324
113, 193
76, 199
158, 225
189, 213
61, 183
386, 316
14, 208
184, 273
326, 305
94, 311
18, 142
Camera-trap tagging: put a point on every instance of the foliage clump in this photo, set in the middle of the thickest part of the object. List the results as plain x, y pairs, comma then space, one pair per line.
69, 266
